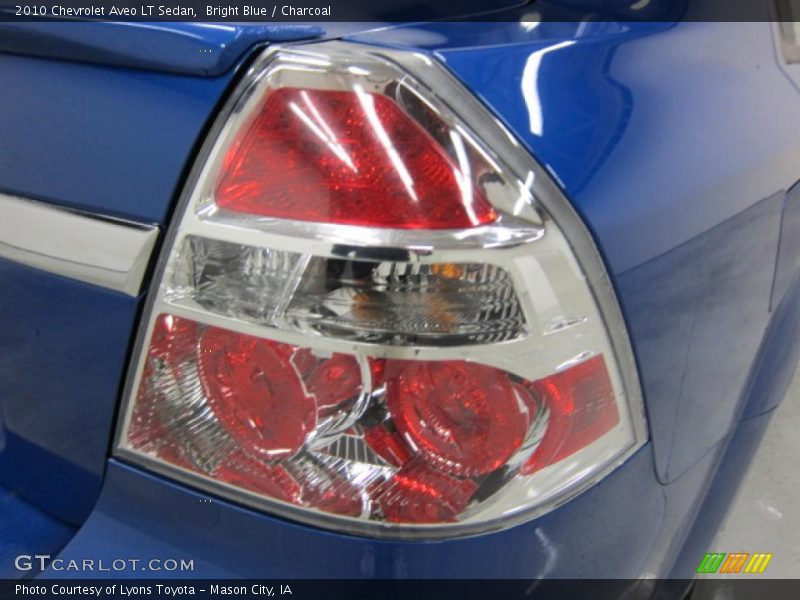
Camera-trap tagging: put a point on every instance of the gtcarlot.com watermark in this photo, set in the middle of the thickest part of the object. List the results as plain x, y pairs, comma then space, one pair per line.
40, 562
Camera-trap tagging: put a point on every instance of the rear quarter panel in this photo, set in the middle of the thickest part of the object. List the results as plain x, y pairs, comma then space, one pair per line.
113, 141
677, 144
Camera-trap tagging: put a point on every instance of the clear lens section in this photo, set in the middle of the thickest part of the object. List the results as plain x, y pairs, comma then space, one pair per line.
378, 302
401, 441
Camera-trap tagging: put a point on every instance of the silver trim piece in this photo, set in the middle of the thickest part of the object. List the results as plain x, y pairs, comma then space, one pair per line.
111, 253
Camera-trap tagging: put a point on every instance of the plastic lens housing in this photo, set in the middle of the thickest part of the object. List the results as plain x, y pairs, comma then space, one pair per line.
376, 313
381, 302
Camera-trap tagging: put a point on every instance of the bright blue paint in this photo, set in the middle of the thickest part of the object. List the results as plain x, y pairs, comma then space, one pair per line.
26, 530
208, 49
115, 141
64, 345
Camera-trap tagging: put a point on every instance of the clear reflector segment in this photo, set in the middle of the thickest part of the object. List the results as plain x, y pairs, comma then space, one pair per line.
388, 440
379, 302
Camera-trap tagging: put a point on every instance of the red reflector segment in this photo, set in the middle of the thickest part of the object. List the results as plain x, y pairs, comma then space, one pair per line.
327, 488
582, 409
465, 418
254, 475
419, 494
332, 381
387, 444
173, 339
346, 157
255, 392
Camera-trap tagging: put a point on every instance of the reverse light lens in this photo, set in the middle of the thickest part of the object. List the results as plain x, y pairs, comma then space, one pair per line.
380, 302
582, 409
374, 312
349, 157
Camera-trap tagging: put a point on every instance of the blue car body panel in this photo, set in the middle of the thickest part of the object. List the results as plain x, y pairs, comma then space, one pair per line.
681, 181
26, 529
64, 344
204, 49
142, 515
110, 140
632, 121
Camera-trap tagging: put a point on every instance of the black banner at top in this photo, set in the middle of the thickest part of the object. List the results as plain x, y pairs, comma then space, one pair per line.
398, 11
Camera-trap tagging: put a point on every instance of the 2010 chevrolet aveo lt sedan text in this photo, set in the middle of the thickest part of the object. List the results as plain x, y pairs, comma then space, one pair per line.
448, 300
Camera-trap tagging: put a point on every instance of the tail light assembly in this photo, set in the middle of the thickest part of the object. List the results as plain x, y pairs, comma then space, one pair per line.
375, 313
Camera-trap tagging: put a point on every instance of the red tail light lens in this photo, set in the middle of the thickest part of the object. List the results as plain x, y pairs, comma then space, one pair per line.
444, 427
366, 320
346, 157
467, 419
255, 392
419, 494
244, 471
582, 409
